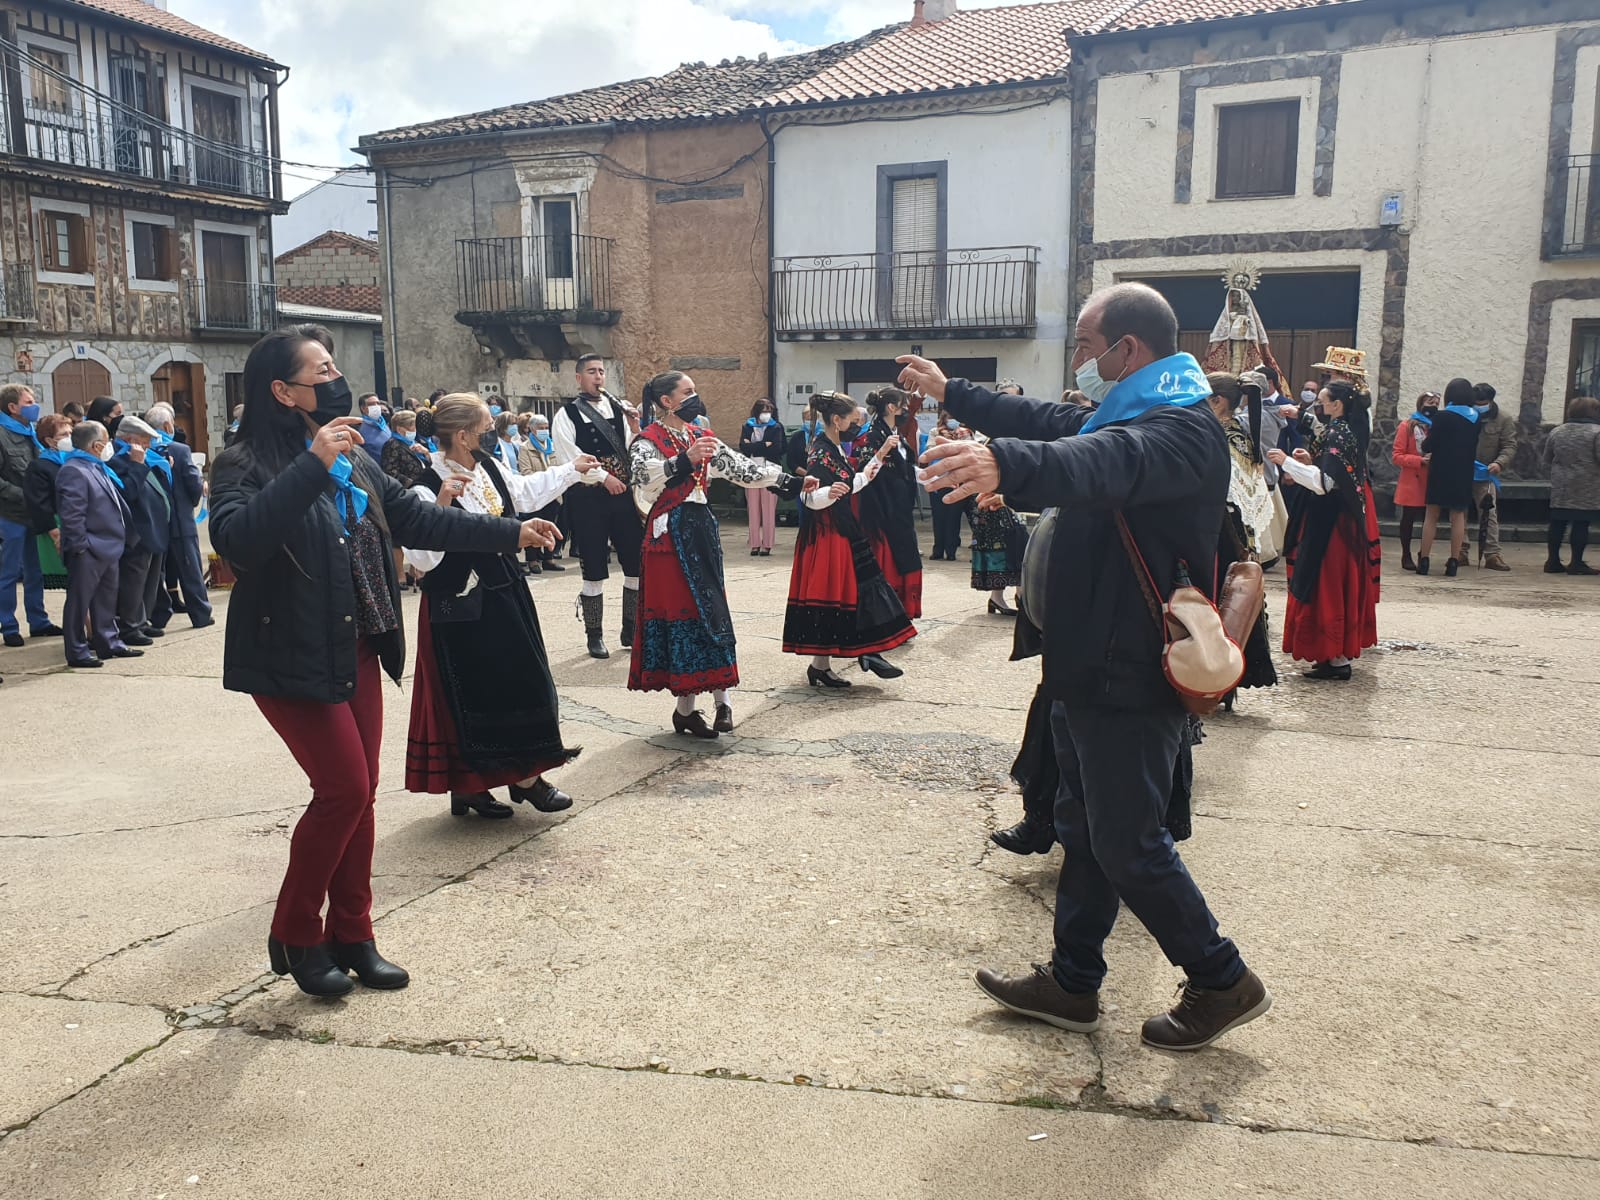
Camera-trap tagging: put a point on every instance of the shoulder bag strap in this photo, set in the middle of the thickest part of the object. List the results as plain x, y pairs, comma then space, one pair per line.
607, 429
1147, 583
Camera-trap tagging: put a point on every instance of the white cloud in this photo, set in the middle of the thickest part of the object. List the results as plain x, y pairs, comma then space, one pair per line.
358, 66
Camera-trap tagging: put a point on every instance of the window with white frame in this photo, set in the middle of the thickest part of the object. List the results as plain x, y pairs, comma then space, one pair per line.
153, 258
1257, 149
64, 241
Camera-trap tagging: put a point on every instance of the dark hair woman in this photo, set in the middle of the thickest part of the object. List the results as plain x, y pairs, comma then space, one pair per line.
306, 521
1410, 455
1452, 450
683, 639
839, 602
1572, 457
484, 712
1332, 551
887, 510
108, 411
762, 437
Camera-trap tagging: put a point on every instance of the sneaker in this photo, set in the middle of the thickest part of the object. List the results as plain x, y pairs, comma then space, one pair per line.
1039, 996
1202, 1015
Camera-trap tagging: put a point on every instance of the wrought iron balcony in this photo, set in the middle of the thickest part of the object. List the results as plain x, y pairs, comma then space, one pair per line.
1580, 230
223, 307
85, 130
552, 280
16, 292
990, 291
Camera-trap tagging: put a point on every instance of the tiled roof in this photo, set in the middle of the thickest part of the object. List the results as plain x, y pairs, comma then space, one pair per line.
1156, 14
980, 47
295, 311
350, 297
334, 237
694, 91
151, 17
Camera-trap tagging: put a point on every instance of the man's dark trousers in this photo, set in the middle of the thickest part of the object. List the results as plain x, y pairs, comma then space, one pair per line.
1116, 781
183, 570
600, 520
92, 605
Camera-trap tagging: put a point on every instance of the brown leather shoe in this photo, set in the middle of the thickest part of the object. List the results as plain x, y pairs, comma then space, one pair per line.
724, 721
1495, 563
1038, 995
1201, 1016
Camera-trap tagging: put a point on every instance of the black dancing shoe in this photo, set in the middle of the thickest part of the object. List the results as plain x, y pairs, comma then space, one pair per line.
694, 724
481, 803
1329, 671
313, 968
543, 795
1025, 837
825, 679
724, 721
372, 968
879, 666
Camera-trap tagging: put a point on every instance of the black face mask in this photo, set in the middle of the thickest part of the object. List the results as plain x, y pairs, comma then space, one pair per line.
691, 409
852, 433
488, 442
333, 400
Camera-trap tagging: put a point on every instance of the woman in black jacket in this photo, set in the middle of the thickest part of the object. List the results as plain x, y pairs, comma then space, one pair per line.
306, 523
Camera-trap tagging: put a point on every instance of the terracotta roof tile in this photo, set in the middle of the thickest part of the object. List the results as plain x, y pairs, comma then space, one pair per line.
978, 47
353, 297
151, 17
694, 91
334, 237
1156, 14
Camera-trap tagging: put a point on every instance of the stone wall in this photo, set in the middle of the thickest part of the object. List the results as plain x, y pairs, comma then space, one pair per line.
328, 266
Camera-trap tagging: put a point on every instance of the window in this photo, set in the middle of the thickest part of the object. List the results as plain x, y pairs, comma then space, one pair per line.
155, 251
914, 242
63, 242
49, 74
1257, 149
217, 121
1583, 372
557, 221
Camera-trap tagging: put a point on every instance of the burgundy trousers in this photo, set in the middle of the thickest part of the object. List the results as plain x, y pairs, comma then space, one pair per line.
330, 856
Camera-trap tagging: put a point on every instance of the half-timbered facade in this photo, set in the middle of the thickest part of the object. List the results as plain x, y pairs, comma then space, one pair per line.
138, 176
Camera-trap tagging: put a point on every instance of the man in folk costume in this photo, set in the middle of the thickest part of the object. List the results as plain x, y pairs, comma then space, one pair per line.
684, 642
601, 515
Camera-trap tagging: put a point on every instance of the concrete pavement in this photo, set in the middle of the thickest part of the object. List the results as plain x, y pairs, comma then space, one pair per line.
747, 964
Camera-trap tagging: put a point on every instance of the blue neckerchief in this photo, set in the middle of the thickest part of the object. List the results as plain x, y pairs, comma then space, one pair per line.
162, 440
1177, 381
156, 456
20, 428
508, 455
379, 423
1423, 417
433, 444
545, 444
409, 439
87, 457
1480, 474
347, 497
1464, 410
56, 456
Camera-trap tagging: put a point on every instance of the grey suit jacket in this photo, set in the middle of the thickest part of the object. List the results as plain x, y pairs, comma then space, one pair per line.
94, 517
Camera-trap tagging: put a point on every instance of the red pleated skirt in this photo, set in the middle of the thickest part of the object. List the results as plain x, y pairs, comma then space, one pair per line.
823, 615
433, 762
1341, 620
907, 587
671, 651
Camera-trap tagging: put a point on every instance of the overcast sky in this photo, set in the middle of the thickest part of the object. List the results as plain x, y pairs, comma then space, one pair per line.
359, 66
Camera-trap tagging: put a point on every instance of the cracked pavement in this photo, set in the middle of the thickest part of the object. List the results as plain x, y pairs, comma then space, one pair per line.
746, 964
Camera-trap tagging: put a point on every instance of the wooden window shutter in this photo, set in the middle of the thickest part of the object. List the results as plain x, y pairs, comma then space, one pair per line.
168, 258
79, 228
1258, 149
47, 242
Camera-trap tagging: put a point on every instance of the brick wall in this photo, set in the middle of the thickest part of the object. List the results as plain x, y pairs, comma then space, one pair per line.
327, 266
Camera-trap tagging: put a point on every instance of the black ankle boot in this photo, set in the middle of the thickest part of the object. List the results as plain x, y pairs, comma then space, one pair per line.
1450, 567
313, 968
1422, 565
593, 611
1026, 837
630, 613
372, 968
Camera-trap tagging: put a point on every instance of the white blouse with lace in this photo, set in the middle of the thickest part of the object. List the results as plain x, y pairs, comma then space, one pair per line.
652, 472
529, 493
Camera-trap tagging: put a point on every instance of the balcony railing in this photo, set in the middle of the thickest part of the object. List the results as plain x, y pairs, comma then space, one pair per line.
565, 277
16, 292
223, 307
862, 295
1580, 232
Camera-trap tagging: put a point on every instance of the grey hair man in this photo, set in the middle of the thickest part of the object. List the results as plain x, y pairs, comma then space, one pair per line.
182, 569
1153, 455
94, 533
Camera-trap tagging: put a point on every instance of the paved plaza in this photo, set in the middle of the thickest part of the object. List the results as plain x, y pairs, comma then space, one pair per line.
744, 968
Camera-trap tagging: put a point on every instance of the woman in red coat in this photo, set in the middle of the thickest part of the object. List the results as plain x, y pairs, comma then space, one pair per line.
1411, 493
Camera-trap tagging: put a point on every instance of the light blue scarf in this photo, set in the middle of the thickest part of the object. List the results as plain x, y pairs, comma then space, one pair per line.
20, 428
87, 457
347, 497
1177, 381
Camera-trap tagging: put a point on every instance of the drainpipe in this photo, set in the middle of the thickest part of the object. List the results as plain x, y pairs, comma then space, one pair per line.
393, 363
772, 290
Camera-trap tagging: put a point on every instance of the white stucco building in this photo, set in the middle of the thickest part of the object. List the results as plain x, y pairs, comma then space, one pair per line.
1414, 177
920, 192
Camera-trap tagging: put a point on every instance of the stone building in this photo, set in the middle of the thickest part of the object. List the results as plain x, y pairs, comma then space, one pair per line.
630, 220
1413, 179
335, 274
138, 174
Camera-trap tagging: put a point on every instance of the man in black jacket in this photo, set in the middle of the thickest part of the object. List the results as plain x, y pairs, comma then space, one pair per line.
1153, 451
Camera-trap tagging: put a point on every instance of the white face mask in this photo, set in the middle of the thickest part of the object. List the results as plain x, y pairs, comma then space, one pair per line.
64, 443
952, 426
765, 418
1089, 382
374, 412
1308, 396
107, 452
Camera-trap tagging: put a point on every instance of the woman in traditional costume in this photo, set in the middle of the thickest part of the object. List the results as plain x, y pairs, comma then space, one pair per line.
840, 604
484, 711
887, 510
683, 640
1333, 554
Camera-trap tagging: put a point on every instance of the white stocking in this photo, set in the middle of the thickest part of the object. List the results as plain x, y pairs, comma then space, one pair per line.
820, 661
593, 587
720, 696
630, 582
686, 704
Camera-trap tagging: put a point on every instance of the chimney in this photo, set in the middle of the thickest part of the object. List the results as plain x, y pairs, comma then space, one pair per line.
917, 19
938, 10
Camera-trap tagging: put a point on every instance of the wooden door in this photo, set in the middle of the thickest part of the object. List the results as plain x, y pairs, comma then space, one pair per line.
81, 380
183, 386
225, 271
217, 125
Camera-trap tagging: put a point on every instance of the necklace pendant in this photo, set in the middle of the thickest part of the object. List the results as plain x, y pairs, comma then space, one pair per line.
699, 495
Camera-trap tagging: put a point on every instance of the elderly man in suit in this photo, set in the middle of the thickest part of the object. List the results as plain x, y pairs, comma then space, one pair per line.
145, 491
94, 531
184, 568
